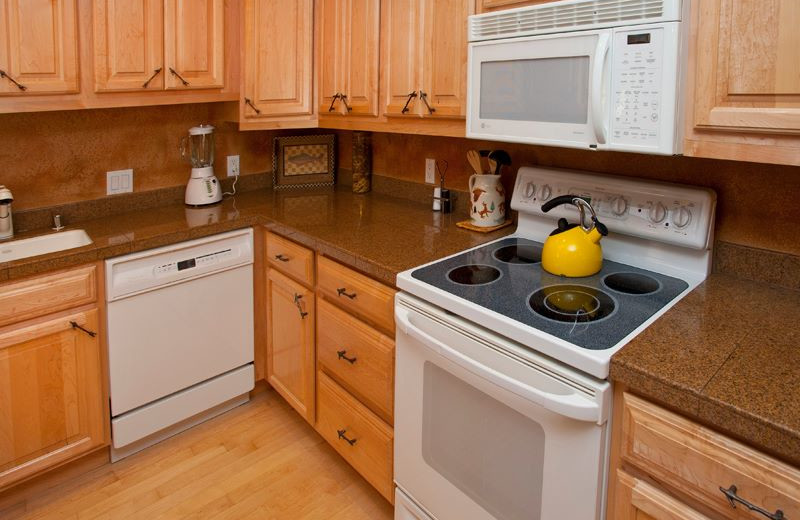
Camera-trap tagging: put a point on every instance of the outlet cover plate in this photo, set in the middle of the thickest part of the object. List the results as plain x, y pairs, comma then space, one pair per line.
233, 165
119, 181
430, 171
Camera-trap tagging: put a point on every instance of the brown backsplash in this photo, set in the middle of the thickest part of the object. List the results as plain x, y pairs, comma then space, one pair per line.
757, 203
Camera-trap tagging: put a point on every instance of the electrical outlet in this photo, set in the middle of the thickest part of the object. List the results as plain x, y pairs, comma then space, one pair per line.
119, 181
430, 171
233, 165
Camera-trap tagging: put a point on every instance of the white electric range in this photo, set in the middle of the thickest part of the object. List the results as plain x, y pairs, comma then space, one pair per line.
502, 405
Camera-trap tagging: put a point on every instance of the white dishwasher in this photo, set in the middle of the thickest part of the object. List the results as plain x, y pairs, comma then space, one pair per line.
180, 336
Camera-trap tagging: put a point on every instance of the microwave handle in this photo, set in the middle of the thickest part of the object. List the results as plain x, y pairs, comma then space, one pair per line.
598, 114
574, 405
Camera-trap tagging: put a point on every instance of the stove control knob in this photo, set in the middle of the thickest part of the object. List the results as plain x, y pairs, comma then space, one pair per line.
530, 190
681, 217
619, 206
658, 213
545, 192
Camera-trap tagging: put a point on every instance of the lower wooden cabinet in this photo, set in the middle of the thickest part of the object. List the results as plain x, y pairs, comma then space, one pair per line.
51, 393
290, 342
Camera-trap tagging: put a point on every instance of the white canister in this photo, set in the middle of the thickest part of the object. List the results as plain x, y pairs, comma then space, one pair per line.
487, 200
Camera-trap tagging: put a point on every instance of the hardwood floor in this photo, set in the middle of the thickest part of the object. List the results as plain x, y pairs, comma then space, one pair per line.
260, 461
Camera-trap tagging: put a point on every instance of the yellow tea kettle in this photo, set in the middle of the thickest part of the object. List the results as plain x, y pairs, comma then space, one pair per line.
573, 250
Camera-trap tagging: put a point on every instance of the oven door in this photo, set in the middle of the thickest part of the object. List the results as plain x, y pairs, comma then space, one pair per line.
482, 433
549, 89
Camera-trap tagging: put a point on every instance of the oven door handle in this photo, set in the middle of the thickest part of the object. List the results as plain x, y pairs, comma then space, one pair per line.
574, 405
598, 75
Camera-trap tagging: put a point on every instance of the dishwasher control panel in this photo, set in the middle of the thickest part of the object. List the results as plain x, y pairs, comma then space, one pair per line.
204, 260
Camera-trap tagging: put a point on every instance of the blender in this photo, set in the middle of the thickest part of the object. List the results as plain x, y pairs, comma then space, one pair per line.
198, 149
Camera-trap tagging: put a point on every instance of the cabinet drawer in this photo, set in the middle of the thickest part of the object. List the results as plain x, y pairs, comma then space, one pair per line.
357, 434
360, 357
356, 293
290, 258
638, 500
47, 294
697, 462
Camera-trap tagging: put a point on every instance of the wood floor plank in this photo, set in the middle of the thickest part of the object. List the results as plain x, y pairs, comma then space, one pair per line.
260, 460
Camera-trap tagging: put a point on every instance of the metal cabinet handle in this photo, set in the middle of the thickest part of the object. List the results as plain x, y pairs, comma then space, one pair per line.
78, 327
297, 298
733, 498
341, 434
4, 74
151, 78
344, 100
281, 258
185, 83
333, 101
410, 97
248, 102
424, 97
342, 291
343, 355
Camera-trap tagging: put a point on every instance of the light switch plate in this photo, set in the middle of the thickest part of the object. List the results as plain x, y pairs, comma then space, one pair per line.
430, 171
233, 165
119, 181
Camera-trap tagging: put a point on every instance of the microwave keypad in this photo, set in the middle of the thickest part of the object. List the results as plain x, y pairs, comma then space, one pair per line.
636, 90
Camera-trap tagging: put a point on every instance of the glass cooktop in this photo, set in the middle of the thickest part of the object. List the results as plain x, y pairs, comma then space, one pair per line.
595, 312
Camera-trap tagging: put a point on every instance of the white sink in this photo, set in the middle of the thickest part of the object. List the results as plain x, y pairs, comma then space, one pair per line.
59, 241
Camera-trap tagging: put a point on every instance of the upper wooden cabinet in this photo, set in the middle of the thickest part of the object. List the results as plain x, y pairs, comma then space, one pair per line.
425, 79
277, 82
348, 69
745, 94
38, 47
157, 44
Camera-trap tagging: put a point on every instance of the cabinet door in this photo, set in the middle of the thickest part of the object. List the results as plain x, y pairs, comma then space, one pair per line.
330, 16
361, 50
748, 66
278, 58
38, 47
128, 45
400, 34
444, 74
194, 43
290, 345
638, 500
51, 404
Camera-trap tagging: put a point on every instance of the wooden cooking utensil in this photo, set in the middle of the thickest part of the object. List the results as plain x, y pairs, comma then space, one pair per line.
474, 159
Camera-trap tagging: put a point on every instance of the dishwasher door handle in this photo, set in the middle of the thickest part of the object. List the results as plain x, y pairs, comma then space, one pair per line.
574, 405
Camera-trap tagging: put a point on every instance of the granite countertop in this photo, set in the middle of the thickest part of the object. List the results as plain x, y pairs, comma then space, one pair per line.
375, 233
728, 354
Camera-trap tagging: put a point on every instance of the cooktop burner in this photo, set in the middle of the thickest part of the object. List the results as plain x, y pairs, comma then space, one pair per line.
595, 312
572, 303
474, 274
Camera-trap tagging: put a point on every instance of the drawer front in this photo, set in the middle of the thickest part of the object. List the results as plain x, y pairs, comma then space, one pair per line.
638, 500
358, 356
356, 293
47, 294
698, 461
290, 258
357, 434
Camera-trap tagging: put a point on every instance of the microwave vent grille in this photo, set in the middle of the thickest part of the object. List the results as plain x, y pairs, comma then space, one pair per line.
570, 15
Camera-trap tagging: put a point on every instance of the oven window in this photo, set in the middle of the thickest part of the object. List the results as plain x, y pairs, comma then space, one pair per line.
549, 90
489, 451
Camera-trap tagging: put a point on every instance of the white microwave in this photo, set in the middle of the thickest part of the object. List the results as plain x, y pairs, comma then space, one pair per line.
596, 74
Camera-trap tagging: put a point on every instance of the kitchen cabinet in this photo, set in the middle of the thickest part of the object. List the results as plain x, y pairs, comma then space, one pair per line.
277, 79
290, 342
348, 65
425, 80
52, 396
665, 466
744, 81
38, 47
157, 44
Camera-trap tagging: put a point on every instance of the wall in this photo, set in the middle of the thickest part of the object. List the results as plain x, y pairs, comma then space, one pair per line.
757, 203
49, 158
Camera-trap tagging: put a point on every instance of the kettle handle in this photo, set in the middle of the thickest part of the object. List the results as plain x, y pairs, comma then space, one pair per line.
557, 201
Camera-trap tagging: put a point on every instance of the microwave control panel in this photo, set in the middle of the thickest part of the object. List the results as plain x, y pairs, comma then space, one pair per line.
643, 87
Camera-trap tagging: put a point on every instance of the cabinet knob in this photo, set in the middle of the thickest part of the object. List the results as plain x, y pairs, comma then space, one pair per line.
341, 434
342, 291
342, 354
152, 77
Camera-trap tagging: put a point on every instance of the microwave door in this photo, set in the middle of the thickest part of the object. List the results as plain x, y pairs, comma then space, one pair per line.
541, 90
